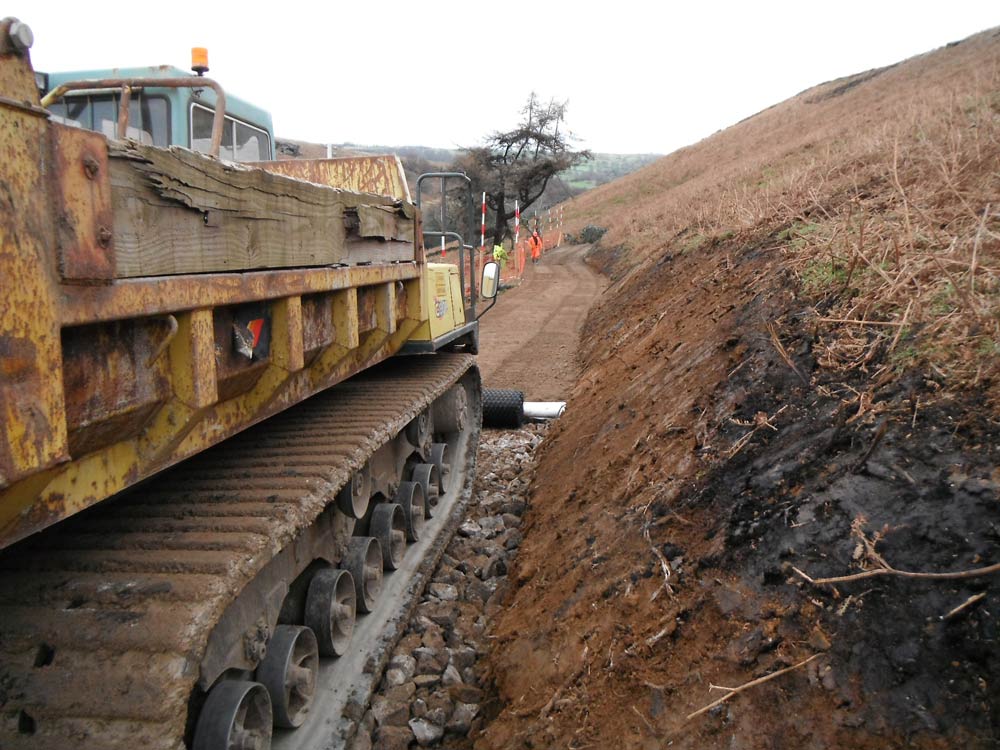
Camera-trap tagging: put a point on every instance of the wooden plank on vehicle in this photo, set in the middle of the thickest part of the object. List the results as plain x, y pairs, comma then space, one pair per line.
179, 212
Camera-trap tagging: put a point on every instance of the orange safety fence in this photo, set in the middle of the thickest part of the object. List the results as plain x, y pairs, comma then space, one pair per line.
511, 271
519, 256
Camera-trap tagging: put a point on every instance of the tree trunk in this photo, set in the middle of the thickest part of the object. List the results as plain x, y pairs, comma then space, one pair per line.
500, 222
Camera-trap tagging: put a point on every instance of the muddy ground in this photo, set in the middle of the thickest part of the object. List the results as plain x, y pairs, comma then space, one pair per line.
705, 474
529, 340
671, 514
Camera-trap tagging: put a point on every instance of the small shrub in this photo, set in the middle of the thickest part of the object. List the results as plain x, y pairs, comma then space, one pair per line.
818, 277
695, 242
592, 233
796, 235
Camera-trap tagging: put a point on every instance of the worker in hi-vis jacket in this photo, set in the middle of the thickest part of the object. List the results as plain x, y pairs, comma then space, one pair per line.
535, 244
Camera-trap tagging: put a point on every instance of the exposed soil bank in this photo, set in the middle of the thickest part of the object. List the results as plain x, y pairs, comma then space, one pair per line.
670, 512
794, 373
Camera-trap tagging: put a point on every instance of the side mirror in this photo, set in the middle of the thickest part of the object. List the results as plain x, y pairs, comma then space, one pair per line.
491, 280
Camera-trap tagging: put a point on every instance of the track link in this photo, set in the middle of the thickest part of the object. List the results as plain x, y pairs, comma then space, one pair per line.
104, 620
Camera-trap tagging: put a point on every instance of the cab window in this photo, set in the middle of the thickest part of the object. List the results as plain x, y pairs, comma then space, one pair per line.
149, 121
241, 141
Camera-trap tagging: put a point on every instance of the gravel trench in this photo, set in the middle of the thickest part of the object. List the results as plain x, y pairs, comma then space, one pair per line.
433, 693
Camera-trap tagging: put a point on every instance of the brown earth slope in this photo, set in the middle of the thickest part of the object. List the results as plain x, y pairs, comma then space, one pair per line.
793, 375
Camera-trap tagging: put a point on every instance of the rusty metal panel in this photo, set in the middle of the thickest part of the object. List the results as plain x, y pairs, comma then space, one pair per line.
113, 380
242, 346
192, 360
367, 308
382, 175
32, 409
287, 335
317, 324
82, 195
169, 294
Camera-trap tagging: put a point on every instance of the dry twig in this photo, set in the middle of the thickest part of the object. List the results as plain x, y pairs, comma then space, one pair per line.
761, 420
547, 708
879, 434
866, 549
783, 353
965, 605
654, 639
644, 720
746, 686
664, 565
890, 571
849, 321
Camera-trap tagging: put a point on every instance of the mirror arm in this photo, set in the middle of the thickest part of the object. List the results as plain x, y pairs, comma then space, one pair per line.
487, 308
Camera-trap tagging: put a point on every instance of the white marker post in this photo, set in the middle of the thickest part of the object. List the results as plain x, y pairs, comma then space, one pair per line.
482, 228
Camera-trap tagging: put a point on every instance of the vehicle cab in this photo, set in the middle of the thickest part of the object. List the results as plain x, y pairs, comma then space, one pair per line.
166, 116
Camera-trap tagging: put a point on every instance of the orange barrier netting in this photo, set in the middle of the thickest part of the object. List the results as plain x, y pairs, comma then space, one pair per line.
510, 271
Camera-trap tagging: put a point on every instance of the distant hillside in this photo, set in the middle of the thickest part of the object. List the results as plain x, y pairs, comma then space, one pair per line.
601, 169
604, 168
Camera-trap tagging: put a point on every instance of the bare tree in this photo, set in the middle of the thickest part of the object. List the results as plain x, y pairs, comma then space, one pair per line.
518, 163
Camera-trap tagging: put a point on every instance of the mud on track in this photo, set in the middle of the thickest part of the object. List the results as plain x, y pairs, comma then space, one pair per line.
529, 340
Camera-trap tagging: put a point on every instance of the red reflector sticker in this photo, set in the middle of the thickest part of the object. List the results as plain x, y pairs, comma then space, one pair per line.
256, 327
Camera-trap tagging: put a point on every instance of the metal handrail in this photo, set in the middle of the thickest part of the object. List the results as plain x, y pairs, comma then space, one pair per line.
126, 85
470, 312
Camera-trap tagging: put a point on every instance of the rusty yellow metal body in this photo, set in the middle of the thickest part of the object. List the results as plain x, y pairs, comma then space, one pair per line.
367, 174
106, 380
443, 302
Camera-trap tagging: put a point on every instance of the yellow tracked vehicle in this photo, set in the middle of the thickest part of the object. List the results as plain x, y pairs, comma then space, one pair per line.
215, 448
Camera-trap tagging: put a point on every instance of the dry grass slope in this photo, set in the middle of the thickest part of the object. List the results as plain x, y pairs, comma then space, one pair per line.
885, 192
788, 371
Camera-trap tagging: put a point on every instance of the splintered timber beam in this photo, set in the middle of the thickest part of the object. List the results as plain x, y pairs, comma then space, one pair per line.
178, 212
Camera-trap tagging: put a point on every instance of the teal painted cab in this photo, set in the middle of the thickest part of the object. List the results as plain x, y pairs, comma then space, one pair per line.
166, 116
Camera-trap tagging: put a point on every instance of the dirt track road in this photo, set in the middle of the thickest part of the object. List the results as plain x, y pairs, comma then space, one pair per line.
530, 339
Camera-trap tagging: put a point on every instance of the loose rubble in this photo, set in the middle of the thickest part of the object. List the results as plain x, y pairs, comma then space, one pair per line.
431, 694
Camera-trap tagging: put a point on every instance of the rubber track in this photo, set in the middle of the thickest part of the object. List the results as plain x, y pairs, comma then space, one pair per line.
104, 619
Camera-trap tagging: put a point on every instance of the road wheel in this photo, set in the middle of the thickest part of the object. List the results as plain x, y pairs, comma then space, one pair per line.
330, 610
410, 497
426, 475
440, 457
289, 673
364, 562
388, 525
353, 497
235, 714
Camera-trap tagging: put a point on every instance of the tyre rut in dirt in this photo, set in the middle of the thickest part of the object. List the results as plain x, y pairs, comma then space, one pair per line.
119, 606
503, 408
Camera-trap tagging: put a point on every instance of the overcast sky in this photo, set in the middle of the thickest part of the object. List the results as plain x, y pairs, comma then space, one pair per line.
639, 76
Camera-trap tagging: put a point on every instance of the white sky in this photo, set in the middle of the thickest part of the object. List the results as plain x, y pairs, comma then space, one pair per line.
639, 76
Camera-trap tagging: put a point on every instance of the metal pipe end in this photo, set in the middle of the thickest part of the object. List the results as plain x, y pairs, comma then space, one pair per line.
21, 36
